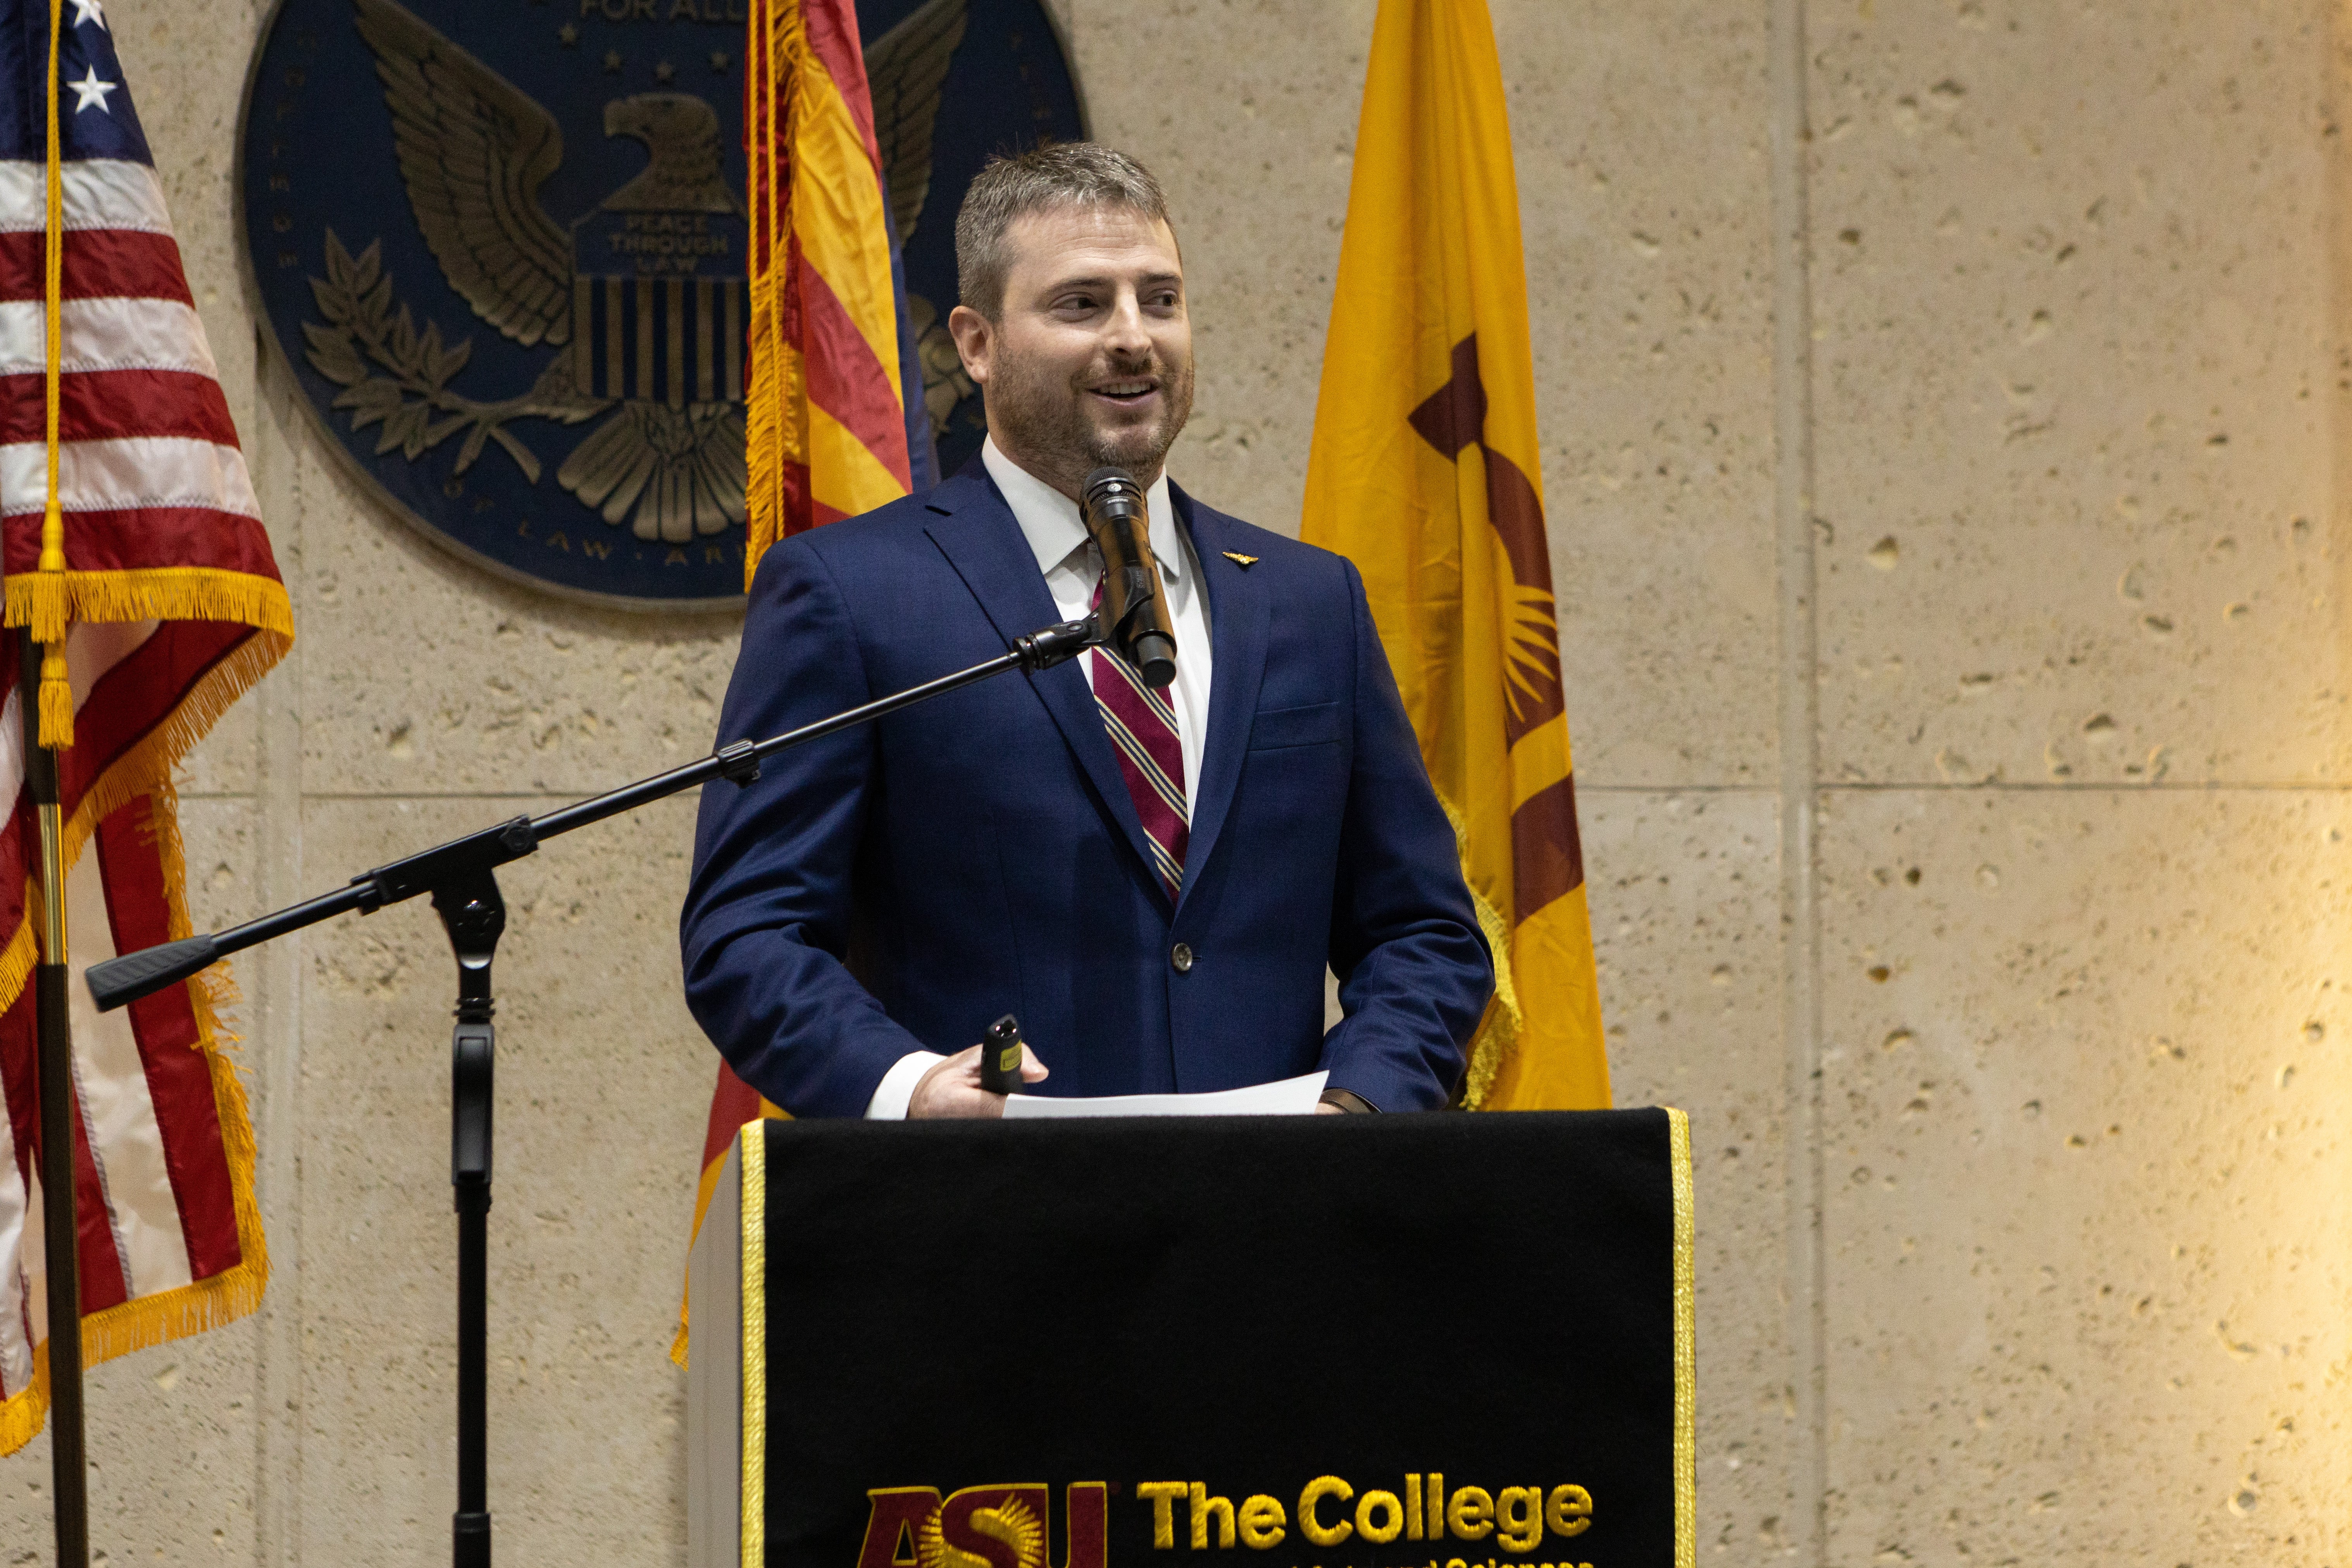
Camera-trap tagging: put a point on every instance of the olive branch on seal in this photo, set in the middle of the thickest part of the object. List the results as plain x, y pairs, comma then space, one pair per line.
356, 296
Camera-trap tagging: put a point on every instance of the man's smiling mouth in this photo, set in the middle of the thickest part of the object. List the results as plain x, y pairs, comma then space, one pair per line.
1132, 390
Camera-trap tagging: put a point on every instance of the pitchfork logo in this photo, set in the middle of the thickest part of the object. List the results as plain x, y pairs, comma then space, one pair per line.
503, 245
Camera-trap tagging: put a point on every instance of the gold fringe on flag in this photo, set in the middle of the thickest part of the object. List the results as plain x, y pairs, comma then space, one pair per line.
231, 1294
149, 593
1498, 1031
776, 411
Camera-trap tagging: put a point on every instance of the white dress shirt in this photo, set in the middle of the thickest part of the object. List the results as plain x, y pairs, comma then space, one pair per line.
1072, 566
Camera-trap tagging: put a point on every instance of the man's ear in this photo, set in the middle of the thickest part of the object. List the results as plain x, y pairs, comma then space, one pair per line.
975, 340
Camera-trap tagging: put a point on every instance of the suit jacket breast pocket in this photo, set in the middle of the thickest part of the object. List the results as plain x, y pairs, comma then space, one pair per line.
1281, 728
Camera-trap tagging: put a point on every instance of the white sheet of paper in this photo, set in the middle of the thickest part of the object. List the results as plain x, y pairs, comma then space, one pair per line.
1291, 1097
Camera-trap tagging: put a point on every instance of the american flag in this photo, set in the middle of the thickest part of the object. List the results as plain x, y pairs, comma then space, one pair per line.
173, 607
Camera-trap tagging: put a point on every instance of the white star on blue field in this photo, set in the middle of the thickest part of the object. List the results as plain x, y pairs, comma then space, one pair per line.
88, 65
89, 90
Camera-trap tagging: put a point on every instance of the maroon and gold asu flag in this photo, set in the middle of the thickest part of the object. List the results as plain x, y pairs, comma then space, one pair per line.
132, 547
1426, 473
828, 419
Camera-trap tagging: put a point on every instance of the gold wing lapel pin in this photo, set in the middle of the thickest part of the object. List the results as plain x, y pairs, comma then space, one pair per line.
1236, 556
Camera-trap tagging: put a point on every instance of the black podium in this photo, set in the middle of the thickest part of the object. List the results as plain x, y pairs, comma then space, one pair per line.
1363, 1342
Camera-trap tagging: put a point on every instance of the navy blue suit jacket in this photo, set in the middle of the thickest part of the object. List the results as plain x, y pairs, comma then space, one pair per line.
997, 860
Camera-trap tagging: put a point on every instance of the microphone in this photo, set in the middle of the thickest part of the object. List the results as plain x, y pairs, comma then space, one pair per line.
1112, 505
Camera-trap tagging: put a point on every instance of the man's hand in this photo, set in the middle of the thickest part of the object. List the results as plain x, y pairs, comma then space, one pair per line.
953, 1088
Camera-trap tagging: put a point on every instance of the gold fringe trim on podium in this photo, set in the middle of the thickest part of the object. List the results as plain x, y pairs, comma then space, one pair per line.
753, 1498
1685, 1345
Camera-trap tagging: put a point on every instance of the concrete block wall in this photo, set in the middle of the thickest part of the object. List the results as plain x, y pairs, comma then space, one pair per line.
1942, 403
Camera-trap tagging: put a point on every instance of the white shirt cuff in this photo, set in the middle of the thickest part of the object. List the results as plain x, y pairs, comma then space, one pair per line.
898, 1086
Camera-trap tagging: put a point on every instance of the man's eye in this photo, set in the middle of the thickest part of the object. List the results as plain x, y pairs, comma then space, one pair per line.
1075, 302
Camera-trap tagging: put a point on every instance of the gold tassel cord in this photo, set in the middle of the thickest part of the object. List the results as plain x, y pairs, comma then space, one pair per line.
57, 699
21, 1417
48, 615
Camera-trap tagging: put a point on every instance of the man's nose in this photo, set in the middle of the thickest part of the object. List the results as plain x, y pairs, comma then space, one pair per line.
1124, 332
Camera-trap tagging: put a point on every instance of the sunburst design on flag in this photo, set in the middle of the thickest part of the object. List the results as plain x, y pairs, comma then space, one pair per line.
1533, 640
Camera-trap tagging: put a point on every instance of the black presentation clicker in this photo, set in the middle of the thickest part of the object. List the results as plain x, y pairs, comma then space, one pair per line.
1000, 1057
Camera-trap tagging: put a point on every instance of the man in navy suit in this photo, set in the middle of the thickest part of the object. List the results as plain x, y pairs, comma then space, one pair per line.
1154, 882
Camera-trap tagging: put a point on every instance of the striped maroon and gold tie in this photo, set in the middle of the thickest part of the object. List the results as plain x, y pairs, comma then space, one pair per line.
1150, 756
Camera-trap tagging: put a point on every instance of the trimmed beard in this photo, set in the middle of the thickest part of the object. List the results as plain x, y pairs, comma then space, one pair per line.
1047, 420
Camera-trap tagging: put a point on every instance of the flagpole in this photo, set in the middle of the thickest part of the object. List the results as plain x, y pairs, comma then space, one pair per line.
67, 1455
61, 1237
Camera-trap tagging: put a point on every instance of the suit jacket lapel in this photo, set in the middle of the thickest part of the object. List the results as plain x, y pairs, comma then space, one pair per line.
977, 532
1237, 632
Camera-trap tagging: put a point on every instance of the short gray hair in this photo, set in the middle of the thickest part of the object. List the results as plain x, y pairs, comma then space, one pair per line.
1058, 174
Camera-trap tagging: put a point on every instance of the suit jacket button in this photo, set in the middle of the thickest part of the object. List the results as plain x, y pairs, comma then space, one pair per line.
1181, 957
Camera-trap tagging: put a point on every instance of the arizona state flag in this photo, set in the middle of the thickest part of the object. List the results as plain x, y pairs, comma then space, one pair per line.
1425, 474
833, 428
828, 415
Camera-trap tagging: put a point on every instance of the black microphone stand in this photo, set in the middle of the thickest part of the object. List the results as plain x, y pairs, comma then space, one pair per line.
460, 878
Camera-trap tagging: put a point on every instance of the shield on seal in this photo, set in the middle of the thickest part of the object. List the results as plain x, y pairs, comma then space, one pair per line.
667, 325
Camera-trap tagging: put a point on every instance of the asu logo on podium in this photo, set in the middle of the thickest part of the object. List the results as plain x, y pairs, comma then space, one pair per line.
982, 1527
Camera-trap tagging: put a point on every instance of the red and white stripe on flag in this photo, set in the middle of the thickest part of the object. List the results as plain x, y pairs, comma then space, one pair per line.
170, 1240
176, 607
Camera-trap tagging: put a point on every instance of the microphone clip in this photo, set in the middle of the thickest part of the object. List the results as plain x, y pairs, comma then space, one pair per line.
1059, 643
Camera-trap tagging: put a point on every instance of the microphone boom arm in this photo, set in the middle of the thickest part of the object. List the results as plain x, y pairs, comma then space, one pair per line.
123, 980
